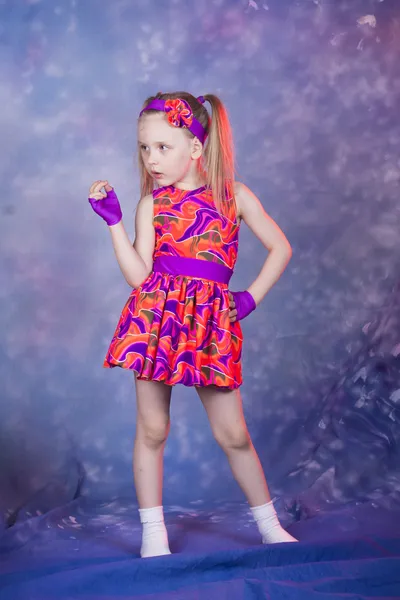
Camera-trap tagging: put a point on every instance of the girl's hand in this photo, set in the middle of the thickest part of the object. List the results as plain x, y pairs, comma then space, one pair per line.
232, 311
242, 304
105, 204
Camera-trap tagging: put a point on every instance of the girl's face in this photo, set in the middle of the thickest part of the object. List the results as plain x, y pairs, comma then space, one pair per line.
168, 153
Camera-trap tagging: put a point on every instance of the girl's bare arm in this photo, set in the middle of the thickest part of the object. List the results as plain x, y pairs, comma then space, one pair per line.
270, 235
136, 261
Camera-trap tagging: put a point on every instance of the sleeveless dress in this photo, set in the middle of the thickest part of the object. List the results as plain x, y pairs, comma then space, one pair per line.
175, 328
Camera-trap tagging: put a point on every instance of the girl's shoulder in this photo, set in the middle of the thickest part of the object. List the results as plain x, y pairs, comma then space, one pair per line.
144, 208
146, 202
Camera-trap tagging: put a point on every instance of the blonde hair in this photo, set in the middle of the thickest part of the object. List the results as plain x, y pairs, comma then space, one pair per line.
218, 168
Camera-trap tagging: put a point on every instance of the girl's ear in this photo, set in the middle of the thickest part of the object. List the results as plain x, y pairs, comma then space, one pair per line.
197, 148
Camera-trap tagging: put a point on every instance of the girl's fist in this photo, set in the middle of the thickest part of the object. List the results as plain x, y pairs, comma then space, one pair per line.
241, 305
105, 204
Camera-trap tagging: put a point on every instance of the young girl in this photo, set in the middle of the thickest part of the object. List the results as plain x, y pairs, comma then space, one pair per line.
181, 322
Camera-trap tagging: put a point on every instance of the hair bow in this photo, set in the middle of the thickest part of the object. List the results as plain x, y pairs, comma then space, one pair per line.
178, 113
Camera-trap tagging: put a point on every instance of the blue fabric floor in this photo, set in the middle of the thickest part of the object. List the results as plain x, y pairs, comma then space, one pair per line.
91, 551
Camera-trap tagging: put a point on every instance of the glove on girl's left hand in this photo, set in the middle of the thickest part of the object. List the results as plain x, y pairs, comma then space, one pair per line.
243, 302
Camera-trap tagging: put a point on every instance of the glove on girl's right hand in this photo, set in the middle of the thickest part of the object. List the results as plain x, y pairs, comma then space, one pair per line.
105, 205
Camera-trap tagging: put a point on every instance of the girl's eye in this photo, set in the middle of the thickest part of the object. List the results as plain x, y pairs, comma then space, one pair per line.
162, 147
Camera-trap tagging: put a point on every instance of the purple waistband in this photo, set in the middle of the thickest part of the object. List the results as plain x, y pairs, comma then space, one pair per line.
193, 267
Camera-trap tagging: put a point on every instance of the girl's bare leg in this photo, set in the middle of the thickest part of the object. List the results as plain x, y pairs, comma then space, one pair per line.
152, 427
225, 413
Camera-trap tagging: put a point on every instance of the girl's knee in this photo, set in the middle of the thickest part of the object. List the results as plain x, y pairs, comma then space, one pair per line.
153, 434
235, 438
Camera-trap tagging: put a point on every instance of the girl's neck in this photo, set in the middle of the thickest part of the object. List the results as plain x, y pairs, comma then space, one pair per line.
194, 182
188, 187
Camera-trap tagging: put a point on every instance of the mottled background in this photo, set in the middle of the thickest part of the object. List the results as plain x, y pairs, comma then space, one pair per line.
312, 88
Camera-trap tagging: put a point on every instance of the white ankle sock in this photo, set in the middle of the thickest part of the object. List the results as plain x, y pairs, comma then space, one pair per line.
154, 535
271, 530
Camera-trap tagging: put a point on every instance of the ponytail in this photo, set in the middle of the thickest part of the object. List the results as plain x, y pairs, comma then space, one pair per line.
219, 154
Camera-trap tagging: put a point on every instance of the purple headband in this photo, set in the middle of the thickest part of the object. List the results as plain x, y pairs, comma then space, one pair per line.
179, 114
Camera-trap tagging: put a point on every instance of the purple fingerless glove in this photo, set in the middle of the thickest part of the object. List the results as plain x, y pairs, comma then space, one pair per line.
108, 208
244, 304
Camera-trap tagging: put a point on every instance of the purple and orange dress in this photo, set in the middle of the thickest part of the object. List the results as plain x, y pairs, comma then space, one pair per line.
175, 326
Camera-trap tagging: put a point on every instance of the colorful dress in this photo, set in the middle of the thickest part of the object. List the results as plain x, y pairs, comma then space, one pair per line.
175, 327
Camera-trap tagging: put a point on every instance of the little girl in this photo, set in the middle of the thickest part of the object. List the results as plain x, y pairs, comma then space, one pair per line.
181, 322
